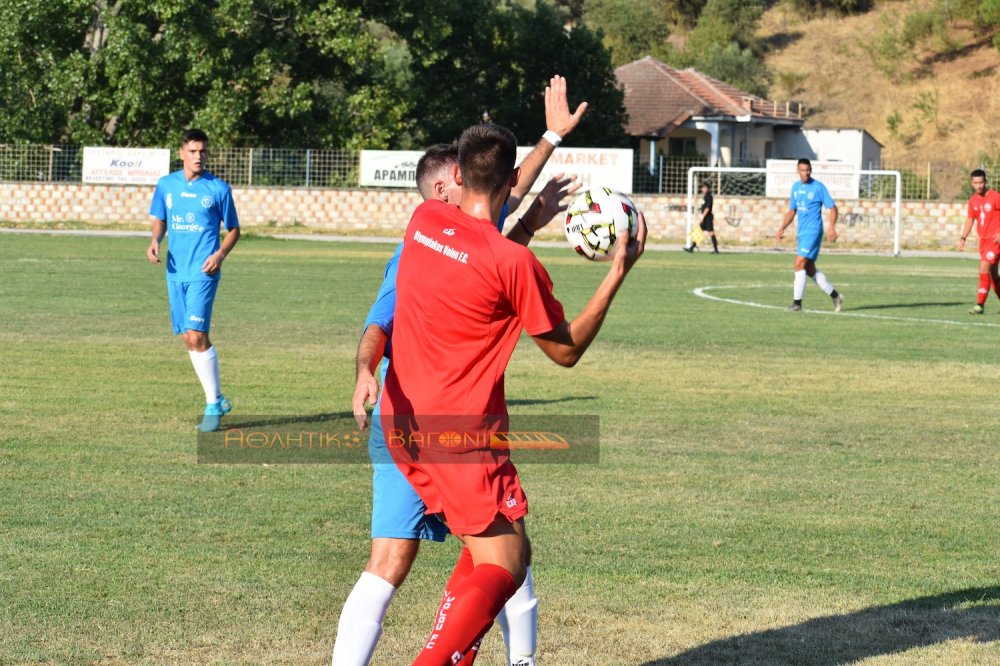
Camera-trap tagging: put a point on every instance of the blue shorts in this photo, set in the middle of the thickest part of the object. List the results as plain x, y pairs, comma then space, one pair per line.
808, 244
191, 304
397, 510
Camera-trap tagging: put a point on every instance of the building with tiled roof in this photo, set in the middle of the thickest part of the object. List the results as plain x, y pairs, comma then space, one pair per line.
684, 113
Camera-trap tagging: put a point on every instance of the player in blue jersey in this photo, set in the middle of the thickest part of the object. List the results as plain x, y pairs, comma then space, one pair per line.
398, 518
190, 205
808, 199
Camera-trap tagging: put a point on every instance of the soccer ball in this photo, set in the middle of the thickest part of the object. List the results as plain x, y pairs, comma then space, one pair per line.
597, 218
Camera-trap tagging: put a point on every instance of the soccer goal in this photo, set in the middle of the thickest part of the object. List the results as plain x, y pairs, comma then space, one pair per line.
850, 188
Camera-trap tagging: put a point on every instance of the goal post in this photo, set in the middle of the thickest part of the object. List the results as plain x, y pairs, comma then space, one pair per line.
849, 185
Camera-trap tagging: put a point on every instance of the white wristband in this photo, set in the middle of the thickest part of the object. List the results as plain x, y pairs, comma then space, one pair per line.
552, 138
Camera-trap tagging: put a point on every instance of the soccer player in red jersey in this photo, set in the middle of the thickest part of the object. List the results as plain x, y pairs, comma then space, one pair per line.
452, 340
984, 212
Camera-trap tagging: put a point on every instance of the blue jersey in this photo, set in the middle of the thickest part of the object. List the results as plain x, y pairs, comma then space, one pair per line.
192, 211
808, 200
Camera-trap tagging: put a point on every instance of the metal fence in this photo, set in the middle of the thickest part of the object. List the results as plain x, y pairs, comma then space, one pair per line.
303, 167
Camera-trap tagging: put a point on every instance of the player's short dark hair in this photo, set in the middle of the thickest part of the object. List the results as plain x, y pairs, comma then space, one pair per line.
978, 173
705, 183
437, 157
486, 157
806, 162
193, 134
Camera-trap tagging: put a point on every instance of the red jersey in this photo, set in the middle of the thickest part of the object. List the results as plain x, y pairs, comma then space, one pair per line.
463, 294
985, 210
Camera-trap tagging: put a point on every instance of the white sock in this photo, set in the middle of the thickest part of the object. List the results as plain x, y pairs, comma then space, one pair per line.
360, 624
823, 283
518, 621
206, 366
799, 285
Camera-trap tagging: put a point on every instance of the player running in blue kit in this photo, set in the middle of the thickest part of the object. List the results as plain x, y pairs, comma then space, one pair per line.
398, 518
808, 199
191, 204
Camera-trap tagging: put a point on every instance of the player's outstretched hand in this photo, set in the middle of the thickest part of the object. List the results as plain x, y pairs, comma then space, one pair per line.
627, 254
552, 196
365, 393
557, 115
153, 253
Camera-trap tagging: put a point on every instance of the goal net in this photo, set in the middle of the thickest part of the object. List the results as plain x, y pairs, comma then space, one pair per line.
868, 200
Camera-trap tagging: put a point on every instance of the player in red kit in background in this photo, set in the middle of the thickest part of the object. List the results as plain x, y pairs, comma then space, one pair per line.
984, 212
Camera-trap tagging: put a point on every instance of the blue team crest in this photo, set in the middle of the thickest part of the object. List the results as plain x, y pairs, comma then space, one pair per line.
810, 196
206, 202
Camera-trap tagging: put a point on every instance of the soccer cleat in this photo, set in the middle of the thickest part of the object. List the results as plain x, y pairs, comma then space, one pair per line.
838, 303
688, 249
977, 309
214, 411
794, 307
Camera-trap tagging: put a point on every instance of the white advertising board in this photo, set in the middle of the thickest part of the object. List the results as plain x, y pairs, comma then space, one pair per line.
125, 166
840, 179
608, 167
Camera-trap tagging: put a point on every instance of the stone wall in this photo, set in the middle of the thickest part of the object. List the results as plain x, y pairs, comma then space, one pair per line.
739, 221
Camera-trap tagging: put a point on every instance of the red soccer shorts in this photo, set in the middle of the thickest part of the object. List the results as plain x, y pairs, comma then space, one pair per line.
456, 472
989, 250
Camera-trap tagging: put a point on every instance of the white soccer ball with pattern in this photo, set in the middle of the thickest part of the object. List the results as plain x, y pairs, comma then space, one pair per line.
597, 218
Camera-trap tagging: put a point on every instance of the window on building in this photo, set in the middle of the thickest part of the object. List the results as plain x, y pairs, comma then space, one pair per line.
682, 146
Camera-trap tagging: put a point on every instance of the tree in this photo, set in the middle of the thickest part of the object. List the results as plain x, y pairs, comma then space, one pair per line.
631, 29
725, 22
289, 72
294, 73
474, 59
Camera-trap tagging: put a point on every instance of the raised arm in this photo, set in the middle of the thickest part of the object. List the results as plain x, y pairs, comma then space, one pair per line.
567, 342
559, 122
546, 206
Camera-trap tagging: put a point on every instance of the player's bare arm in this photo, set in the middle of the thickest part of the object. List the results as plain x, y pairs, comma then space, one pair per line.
965, 232
214, 261
370, 351
546, 206
159, 230
789, 216
567, 342
560, 122
832, 231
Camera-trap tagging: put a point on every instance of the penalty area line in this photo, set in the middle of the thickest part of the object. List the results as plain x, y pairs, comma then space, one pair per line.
702, 292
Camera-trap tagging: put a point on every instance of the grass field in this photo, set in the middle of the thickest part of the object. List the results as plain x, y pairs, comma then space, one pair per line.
773, 487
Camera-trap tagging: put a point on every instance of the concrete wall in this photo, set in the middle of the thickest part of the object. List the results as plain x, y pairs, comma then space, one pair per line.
739, 221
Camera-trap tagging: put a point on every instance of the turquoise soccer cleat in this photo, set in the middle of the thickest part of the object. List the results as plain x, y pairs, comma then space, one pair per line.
214, 411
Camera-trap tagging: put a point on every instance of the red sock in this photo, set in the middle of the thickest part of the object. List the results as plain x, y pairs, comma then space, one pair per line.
984, 287
466, 614
462, 569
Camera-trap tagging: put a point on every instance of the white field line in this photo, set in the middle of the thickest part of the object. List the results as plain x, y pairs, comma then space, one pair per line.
702, 292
